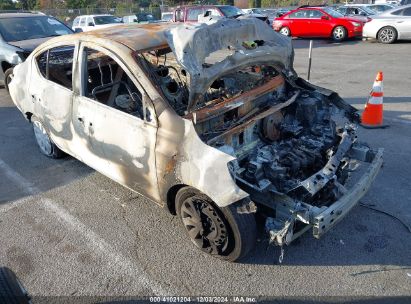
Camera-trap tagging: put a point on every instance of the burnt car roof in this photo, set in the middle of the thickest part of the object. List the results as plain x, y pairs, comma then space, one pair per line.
136, 37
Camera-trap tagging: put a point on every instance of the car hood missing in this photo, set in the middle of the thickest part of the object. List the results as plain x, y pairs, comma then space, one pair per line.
192, 44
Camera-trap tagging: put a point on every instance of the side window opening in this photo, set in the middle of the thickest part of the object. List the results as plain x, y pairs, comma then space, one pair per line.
56, 65
106, 82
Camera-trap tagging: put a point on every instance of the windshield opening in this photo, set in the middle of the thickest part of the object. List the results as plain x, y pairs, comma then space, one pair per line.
231, 11
99, 20
25, 28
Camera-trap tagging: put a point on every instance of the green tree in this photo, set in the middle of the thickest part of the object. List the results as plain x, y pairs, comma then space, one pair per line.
7, 5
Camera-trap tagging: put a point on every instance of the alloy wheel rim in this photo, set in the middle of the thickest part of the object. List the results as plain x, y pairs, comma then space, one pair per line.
42, 138
387, 35
206, 228
284, 31
338, 33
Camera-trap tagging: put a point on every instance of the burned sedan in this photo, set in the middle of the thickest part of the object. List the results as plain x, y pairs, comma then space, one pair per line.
209, 121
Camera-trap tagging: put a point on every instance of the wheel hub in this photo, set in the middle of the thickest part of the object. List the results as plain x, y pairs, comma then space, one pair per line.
204, 225
42, 138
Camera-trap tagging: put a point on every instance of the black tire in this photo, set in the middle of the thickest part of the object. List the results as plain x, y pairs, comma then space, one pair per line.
8, 76
238, 231
285, 31
11, 291
339, 33
44, 142
387, 35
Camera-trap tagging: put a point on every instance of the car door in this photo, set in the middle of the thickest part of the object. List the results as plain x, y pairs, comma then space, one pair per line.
318, 27
51, 90
403, 24
115, 128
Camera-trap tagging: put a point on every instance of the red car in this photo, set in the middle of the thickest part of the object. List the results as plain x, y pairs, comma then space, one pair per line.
309, 21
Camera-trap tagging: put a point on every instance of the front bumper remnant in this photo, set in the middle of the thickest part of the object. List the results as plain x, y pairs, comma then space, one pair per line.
289, 212
329, 217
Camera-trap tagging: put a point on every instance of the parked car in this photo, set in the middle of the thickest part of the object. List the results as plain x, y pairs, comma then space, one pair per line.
390, 26
20, 33
356, 10
392, 2
191, 14
167, 16
87, 23
311, 21
139, 18
224, 143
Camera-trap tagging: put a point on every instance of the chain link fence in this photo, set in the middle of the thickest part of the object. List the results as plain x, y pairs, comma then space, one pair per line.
67, 15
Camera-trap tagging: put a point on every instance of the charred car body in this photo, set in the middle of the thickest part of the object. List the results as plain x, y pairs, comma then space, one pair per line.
210, 121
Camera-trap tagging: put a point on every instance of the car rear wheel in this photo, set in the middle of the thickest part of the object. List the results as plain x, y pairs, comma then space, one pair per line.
285, 31
8, 77
387, 34
339, 33
220, 232
46, 145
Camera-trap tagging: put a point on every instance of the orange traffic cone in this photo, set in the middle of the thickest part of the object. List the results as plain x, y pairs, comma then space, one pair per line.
372, 116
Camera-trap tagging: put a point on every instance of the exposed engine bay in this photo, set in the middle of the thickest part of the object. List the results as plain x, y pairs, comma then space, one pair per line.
294, 145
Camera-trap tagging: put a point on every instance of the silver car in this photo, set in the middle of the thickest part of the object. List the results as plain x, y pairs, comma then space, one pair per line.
21, 33
227, 144
390, 26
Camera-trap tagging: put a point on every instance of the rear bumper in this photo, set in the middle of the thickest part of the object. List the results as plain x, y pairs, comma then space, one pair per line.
328, 218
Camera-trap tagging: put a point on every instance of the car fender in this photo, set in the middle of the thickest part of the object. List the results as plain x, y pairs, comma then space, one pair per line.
182, 158
18, 88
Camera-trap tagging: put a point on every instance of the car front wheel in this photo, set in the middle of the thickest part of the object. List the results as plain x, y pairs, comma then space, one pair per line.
46, 145
339, 33
220, 232
285, 31
387, 34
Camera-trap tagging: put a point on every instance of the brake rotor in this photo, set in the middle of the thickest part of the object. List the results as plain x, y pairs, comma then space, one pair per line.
270, 126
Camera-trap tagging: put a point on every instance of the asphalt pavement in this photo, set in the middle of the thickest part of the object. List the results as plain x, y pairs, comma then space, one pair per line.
67, 230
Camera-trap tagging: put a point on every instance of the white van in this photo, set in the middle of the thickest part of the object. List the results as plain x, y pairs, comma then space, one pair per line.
92, 22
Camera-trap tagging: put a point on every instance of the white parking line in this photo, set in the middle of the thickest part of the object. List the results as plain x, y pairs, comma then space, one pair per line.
97, 244
28, 187
23, 183
104, 249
